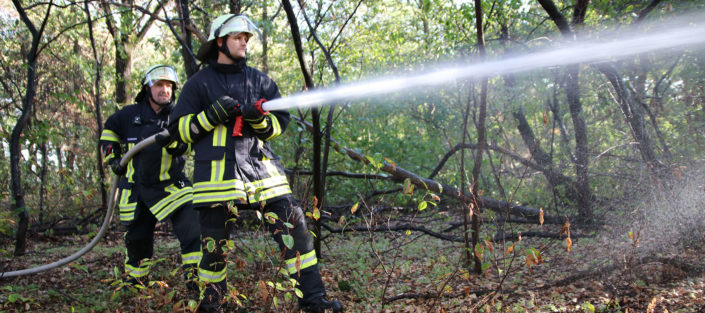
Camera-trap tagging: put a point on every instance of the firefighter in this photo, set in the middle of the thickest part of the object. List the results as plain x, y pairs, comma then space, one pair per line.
154, 186
233, 162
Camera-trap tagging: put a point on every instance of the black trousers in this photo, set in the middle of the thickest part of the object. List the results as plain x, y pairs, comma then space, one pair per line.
139, 238
214, 236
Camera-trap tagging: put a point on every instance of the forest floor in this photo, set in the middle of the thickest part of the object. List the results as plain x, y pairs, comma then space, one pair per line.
610, 268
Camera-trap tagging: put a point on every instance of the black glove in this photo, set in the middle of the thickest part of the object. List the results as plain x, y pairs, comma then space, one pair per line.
177, 150
163, 140
222, 110
254, 112
115, 166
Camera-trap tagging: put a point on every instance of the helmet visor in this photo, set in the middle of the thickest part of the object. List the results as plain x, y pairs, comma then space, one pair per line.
236, 24
160, 72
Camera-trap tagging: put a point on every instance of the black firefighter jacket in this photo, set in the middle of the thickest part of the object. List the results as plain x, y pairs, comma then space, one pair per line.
226, 167
153, 175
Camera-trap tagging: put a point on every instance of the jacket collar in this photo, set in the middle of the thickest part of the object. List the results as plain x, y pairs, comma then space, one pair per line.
236, 67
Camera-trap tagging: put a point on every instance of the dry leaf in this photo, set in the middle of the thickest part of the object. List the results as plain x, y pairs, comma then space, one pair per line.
354, 208
489, 246
568, 243
408, 187
566, 229
510, 249
391, 163
541, 216
298, 262
545, 118
263, 290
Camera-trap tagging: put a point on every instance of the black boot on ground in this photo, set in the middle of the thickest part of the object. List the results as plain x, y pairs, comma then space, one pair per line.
213, 299
135, 282
191, 280
320, 305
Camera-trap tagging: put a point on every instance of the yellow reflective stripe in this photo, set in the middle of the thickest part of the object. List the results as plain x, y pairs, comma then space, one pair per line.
108, 157
267, 182
165, 165
218, 169
272, 169
184, 128
219, 185
306, 260
217, 191
210, 276
269, 193
258, 126
109, 135
130, 169
127, 209
170, 203
203, 120
191, 258
276, 128
219, 136
219, 196
141, 271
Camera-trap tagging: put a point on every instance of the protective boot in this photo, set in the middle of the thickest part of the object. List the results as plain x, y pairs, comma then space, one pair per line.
191, 277
320, 305
135, 282
213, 298
314, 293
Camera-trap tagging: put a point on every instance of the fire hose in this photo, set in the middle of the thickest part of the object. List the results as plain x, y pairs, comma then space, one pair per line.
106, 221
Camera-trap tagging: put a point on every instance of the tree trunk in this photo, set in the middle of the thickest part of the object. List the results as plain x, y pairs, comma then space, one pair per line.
265, 39
98, 114
15, 144
42, 180
581, 161
480, 141
634, 115
187, 47
542, 158
581, 144
123, 69
318, 190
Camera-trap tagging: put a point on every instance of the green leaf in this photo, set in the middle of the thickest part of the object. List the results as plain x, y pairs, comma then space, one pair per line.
485, 265
80, 267
288, 241
423, 205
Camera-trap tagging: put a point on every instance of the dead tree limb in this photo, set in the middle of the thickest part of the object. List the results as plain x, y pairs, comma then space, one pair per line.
446, 190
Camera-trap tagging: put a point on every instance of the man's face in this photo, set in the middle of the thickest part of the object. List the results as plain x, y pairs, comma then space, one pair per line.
237, 44
161, 92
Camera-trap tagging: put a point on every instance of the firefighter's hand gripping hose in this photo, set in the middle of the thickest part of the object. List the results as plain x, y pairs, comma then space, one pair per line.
106, 221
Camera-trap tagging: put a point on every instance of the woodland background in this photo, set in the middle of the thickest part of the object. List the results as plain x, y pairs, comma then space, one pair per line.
567, 188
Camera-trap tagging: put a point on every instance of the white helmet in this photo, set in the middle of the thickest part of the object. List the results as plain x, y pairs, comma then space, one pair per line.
160, 72
157, 73
224, 25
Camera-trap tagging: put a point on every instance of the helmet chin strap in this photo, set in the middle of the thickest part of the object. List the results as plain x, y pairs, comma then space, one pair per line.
224, 49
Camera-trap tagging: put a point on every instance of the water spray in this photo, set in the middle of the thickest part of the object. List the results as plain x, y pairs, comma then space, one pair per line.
579, 52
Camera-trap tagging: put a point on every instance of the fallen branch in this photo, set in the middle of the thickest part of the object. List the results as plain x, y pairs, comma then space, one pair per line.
346, 174
433, 295
434, 186
405, 227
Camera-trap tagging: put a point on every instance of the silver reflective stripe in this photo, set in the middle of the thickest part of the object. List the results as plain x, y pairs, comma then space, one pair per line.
211, 277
